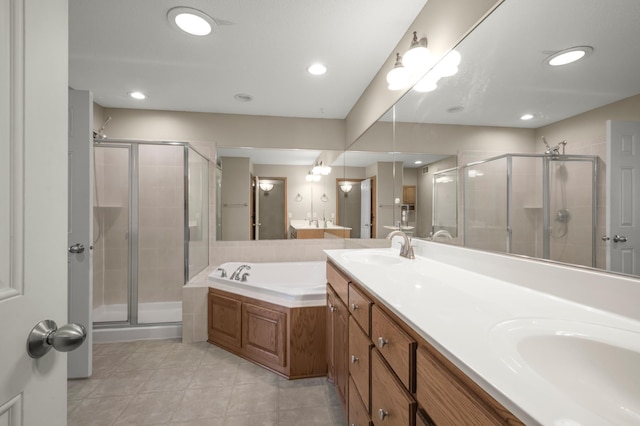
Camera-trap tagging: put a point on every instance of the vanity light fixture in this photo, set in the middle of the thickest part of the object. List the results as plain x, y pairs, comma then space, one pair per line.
317, 69
266, 187
191, 21
568, 56
418, 57
137, 95
398, 78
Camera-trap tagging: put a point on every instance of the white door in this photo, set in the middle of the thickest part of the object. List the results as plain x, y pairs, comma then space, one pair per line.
623, 197
365, 208
80, 238
33, 206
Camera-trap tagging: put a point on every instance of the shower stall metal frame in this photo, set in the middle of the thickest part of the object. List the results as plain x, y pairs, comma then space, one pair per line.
546, 159
132, 294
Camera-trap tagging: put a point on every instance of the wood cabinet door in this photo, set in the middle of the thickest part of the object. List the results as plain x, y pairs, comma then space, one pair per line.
358, 415
264, 334
225, 320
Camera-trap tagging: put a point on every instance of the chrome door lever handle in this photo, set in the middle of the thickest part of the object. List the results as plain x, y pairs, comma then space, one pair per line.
619, 239
46, 335
76, 248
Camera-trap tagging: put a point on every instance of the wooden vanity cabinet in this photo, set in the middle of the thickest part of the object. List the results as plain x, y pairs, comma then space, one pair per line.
408, 381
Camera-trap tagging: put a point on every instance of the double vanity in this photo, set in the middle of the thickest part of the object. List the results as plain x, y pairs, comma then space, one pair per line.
458, 336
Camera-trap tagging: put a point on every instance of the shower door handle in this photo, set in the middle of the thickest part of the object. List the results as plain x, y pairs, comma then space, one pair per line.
619, 239
76, 248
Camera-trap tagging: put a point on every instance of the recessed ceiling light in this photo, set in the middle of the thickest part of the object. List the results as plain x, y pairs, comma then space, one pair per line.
243, 97
137, 95
191, 21
417, 162
526, 117
568, 56
317, 69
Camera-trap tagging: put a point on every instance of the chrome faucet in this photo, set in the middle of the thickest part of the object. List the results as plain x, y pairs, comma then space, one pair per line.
237, 272
223, 273
406, 250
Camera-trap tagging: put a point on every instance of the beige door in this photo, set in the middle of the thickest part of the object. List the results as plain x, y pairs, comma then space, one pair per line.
33, 206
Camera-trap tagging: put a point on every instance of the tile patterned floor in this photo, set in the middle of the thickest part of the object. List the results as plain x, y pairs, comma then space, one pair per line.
166, 382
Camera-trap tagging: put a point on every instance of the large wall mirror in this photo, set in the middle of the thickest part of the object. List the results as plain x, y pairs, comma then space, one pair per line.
535, 148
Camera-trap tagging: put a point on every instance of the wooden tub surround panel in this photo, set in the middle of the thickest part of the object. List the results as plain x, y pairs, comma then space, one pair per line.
288, 341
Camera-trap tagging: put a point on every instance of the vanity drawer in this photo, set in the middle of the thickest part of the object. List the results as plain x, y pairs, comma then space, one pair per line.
447, 401
360, 308
391, 404
359, 360
397, 347
358, 413
339, 282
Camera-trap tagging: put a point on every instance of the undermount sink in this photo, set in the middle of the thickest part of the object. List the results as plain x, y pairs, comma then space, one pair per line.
597, 367
374, 257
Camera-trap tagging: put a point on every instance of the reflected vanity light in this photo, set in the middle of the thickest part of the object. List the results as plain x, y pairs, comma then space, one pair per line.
298, 197
321, 169
475, 173
568, 56
313, 177
447, 67
447, 179
266, 187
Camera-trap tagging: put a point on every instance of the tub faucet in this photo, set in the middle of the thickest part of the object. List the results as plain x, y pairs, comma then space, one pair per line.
237, 272
406, 250
223, 273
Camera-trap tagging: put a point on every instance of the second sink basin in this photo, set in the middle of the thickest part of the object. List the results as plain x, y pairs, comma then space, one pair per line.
598, 367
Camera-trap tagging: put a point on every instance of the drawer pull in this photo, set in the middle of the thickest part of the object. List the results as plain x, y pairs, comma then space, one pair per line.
332, 308
354, 307
354, 359
382, 342
382, 414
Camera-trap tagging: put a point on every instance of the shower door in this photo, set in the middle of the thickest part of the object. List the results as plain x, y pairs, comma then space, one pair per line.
141, 234
111, 229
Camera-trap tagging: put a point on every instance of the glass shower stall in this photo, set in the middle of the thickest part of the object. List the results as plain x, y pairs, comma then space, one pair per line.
151, 230
542, 206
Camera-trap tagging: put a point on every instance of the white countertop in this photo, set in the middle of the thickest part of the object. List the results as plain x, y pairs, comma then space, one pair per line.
504, 334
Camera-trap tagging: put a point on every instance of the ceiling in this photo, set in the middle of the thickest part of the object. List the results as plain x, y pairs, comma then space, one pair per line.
259, 48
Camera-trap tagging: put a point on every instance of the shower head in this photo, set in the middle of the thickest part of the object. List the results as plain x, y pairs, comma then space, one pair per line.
100, 133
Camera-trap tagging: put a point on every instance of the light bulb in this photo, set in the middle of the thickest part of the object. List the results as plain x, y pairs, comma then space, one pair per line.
398, 78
